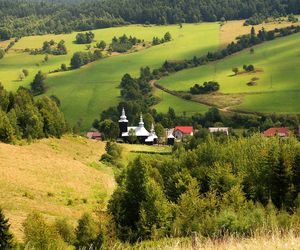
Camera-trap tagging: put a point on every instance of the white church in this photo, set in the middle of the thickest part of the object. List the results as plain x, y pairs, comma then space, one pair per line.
142, 134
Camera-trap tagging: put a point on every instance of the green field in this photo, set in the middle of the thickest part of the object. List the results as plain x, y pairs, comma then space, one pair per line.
278, 87
181, 106
93, 88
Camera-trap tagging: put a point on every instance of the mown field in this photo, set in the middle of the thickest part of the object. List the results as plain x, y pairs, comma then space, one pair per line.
93, 88
277, 87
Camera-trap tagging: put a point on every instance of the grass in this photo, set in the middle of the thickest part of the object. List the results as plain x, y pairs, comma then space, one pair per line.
277, 88
284, 241
182, 107
88, 91
57, 177
130, 151
53, 177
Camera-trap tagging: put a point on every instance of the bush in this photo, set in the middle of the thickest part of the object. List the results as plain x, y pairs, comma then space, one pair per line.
65, 230
207, 87
88, 233
85, 38
38, 234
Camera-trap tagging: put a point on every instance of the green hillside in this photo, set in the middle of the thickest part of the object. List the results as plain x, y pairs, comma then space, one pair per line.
277, 86
93, 88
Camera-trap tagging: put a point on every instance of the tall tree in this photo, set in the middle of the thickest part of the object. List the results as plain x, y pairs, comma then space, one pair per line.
38, 85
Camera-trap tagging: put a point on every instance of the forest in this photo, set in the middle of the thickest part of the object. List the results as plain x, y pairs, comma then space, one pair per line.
23, 117
23, 17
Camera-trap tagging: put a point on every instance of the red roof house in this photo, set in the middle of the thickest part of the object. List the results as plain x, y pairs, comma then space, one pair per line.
182, 131
281, 132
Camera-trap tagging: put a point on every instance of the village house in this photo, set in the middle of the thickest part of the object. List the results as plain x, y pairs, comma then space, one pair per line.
94, 136
281, 132
182, 131
219, 130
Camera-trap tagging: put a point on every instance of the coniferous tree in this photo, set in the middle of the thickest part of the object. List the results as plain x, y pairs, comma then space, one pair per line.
38, 85
6, 238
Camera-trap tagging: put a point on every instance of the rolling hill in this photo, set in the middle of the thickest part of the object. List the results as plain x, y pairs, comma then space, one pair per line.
276, 80
93, 88
61, 178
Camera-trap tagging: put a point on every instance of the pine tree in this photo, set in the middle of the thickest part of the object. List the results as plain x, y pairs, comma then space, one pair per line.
38, 85
6, 238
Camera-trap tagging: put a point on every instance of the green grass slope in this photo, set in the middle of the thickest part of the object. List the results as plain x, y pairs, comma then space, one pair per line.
93, 88
278, 86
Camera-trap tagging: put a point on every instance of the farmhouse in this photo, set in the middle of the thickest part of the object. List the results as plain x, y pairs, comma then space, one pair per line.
183, 131
281, 132
94, 136
219, 130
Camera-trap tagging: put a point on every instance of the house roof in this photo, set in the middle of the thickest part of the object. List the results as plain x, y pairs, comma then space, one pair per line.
93, 135
276, 131
184, 129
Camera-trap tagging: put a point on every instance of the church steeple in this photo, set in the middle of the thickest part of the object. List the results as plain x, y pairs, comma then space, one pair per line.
141, 123
123, 123
123, 117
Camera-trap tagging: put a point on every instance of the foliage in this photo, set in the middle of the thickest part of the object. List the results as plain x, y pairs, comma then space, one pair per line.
65, 230
23, 117
167, 37
38, 84
217, 188
38, 234
123, 43
113, 154
82, 58
2, 53
6, 238
207, 87
87, 233
30, 18
51, 47
101, 45
85, 38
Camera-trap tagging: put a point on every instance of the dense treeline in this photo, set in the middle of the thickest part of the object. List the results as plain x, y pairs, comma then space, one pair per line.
22, 117
22, 17
219, 187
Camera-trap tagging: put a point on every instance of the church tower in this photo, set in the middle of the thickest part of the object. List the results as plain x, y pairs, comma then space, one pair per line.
123, 123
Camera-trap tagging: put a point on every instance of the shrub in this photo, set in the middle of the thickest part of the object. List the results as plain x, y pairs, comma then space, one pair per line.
65, 230
207, 87
38, 234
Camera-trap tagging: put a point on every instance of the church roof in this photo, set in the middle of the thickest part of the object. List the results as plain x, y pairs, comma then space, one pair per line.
139, 131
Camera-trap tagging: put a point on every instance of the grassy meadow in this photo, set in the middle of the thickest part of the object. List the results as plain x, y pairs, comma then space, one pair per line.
57, 177
88, 91
94, 87
277, 86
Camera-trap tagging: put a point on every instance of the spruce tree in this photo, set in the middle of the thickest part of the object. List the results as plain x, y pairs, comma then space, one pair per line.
6, 238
